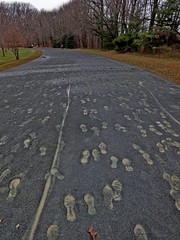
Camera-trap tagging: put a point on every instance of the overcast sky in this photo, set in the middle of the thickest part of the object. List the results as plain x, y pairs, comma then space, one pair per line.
42, 4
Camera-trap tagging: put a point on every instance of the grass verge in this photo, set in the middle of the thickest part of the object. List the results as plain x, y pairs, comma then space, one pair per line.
163, 65
26, 55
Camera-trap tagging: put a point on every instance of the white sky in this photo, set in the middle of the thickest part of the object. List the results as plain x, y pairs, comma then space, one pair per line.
42, 4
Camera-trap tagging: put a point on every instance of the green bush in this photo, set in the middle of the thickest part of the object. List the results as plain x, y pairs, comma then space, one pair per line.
143, 42
146, 42
123, 43
56, 43
107, 45
68, 41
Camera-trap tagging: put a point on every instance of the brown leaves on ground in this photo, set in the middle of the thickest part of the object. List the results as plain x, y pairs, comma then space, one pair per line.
163, 64
92, 233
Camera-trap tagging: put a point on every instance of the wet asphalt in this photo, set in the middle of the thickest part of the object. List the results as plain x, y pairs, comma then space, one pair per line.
55, 113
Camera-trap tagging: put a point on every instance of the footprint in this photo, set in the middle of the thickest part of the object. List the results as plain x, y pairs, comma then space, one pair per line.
53, 232
83, 101
174, 182
3, 140
45, 119
160, 147
142, 131
162, 115
4, 174
136, 147
166, 129
147, 110
106, 108
85, 111
93, 111
27, 143
69, 202
42, 151
96, 131
118, 127
114, 161
83, 128
85, 156
103, 148
89, 200
13, 186
104, 125
32, 135
55, 172
140, 233
108, 196
167, 177
135, 114
167, 124
153, 129
127, 164
145, 155
96, 154
117, 186
30, 110
172, 143
176, 195
127, 117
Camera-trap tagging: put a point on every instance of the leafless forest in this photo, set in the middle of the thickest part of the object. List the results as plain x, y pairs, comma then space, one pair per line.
87, 23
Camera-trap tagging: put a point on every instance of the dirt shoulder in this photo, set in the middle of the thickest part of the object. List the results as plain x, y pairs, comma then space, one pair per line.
162, 65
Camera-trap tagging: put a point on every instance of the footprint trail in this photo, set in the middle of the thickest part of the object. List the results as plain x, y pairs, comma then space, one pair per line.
69, 202
89, 200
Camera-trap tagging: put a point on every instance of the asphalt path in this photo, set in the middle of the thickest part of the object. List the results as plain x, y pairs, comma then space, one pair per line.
88, 144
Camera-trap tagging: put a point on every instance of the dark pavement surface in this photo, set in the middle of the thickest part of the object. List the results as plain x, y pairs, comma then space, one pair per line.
77, 130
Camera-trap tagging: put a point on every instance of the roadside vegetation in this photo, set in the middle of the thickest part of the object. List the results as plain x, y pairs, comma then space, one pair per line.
25, 54
145, 33
165, 64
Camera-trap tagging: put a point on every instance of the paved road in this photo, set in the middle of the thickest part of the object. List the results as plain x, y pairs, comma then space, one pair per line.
88, 142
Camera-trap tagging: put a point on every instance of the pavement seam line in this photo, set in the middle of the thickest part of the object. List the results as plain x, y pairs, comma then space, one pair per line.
163, 109
49, 183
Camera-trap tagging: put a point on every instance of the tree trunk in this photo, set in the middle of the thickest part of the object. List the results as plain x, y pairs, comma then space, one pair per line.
15, 50
102, 16
3, 51
153, 14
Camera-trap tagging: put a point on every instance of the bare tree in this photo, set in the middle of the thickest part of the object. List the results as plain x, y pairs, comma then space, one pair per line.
154, 10
14, 39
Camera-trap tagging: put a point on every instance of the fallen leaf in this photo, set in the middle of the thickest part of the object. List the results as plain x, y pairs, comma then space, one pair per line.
92, 233
17, 226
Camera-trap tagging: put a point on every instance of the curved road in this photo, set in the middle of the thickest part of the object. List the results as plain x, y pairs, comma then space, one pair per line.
87, 142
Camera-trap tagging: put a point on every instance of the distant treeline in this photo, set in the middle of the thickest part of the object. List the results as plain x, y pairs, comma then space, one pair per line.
127, 25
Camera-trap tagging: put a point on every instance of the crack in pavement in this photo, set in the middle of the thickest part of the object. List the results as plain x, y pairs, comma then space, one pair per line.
50, 180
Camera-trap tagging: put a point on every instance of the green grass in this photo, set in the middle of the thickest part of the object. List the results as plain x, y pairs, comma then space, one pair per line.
26, 54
